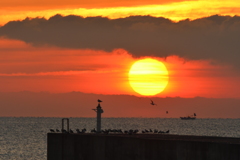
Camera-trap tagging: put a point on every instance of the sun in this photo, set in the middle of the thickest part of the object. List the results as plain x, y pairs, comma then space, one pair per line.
148, 76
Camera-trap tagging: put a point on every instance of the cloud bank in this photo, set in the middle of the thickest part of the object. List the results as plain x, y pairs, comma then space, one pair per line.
215, 37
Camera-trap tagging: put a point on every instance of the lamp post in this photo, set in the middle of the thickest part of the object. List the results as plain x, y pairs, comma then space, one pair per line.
99, 111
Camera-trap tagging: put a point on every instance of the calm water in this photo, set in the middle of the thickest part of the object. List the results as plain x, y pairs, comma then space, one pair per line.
26, 138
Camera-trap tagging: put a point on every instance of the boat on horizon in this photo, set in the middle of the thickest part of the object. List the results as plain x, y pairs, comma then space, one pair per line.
189, 117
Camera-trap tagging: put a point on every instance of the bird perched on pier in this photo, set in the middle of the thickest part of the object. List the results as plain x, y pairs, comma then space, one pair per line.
78, 131
152, 103
155, 131
161, 132
84, 130
63, 131
52, 130
57, 130
93, 130
99, 100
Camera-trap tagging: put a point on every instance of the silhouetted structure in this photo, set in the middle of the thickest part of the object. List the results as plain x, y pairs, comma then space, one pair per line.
63, 130
131, 146
99, 111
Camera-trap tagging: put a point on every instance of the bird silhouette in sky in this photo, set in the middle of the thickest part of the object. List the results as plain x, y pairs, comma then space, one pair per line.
166, 112
99, 100
152, 103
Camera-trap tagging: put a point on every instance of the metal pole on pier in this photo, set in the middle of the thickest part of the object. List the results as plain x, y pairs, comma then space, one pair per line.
67, 124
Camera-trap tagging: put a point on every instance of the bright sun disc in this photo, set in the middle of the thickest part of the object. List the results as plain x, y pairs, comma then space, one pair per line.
148, 77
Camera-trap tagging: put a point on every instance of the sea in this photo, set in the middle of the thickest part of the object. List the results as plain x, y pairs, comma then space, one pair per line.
25, 138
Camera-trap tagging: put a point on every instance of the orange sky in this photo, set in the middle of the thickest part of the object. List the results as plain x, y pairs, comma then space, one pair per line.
46, 4
174, 9
57, 53
34, 82
24, 67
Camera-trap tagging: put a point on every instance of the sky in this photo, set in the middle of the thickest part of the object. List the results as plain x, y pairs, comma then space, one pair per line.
58, 59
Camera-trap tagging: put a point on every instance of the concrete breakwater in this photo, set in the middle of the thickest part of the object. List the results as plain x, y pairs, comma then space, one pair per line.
63, 146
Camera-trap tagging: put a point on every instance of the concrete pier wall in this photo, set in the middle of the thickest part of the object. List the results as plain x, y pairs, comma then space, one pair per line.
140, 147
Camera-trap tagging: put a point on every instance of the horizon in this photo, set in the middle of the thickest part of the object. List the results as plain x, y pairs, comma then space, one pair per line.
80, 105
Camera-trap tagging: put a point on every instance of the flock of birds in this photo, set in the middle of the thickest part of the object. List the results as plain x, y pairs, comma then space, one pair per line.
111, 131
108, 131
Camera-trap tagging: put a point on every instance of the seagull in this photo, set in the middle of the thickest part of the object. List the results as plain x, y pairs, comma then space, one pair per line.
93, 130
78, 131
161, 132
99, 100
52, 130
84, 130
64, 131
152, 103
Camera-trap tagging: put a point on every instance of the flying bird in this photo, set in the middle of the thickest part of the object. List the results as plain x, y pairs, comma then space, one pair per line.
152, 103
99, 100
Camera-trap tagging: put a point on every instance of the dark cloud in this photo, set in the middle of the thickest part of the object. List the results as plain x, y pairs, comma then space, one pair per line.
215, 37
